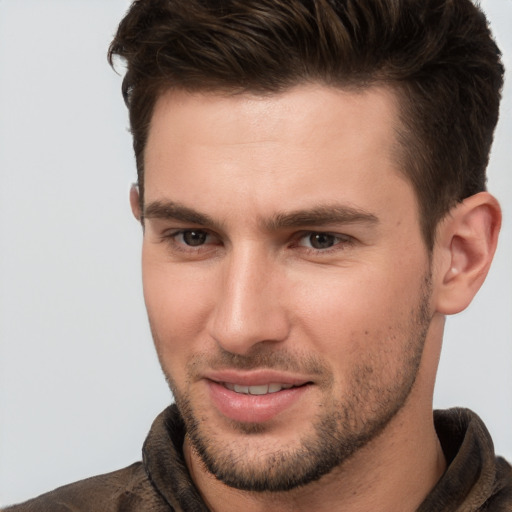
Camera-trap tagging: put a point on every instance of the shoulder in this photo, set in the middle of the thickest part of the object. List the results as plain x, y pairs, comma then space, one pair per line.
501, 501
126, 490
475, 479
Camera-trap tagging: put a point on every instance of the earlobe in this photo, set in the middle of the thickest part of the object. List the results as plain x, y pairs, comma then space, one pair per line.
465, 245
135, 202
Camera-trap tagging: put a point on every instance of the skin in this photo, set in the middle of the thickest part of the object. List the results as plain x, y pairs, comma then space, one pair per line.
248, 278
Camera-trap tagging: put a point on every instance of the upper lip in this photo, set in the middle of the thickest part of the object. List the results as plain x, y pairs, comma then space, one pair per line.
256, 377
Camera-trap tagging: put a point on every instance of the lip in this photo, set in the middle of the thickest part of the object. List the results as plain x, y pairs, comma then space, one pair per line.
247, 408
256, 377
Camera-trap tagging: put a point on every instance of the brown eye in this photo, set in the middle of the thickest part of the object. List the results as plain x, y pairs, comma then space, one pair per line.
194, 238
322, 240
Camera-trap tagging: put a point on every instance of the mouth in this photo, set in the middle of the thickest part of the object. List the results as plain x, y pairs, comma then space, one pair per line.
256, 397
264, 389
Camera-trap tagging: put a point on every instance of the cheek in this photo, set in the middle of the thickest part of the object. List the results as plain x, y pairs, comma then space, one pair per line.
345, 301
353, 317
178, 305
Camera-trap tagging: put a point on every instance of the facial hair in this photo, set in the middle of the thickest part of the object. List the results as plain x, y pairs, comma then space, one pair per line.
341, 427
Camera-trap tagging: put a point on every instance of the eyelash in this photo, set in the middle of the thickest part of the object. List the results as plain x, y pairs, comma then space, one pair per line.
171, 238
341, 241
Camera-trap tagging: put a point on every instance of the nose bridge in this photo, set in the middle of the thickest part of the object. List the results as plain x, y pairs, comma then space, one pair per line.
249, 307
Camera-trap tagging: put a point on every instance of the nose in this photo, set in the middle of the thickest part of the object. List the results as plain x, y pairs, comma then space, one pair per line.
250, 307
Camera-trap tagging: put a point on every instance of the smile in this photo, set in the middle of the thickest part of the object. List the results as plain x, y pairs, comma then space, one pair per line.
263, 389
258, 401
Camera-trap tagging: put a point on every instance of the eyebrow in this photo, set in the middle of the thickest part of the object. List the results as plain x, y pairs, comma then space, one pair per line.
169, 210
320, 216
315, 216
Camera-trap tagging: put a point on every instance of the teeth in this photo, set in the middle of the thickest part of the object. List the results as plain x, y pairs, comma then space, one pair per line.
257, 390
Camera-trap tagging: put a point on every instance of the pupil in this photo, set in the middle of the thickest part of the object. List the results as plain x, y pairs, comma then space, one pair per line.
194, 237
321, 241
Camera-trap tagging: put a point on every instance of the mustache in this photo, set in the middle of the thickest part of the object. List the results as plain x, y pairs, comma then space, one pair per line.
260, 357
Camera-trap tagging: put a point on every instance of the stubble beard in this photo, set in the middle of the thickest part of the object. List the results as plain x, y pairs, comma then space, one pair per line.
339, 430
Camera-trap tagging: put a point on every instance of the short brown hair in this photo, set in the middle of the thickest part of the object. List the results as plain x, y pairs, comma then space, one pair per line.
439, 55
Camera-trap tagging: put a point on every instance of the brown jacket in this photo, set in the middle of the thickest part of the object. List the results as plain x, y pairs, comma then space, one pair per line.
475, 480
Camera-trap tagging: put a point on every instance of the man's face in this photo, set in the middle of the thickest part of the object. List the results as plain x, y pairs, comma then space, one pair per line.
285, 277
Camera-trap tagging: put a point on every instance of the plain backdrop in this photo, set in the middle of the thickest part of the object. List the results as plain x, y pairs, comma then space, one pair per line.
79, 381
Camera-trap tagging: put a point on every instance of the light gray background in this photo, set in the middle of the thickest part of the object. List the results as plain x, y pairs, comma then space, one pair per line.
79, 382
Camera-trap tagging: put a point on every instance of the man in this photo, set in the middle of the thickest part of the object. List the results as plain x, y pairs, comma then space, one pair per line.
312, 194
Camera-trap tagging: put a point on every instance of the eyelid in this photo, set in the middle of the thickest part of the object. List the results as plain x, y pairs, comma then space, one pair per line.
213, 241
170, 236
342, 240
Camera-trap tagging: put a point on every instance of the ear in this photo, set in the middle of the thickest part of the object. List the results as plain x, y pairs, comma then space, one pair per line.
466, 240
135, 202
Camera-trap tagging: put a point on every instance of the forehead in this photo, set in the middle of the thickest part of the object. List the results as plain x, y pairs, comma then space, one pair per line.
304, 114
310, 144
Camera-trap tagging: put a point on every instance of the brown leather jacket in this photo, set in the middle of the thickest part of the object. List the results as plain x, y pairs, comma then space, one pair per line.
475, 479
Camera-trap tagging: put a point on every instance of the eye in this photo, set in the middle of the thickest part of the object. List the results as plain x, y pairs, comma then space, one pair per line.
191, 242
192, 237
322, 241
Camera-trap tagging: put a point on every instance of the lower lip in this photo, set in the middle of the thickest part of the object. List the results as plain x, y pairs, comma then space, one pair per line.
253, 408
